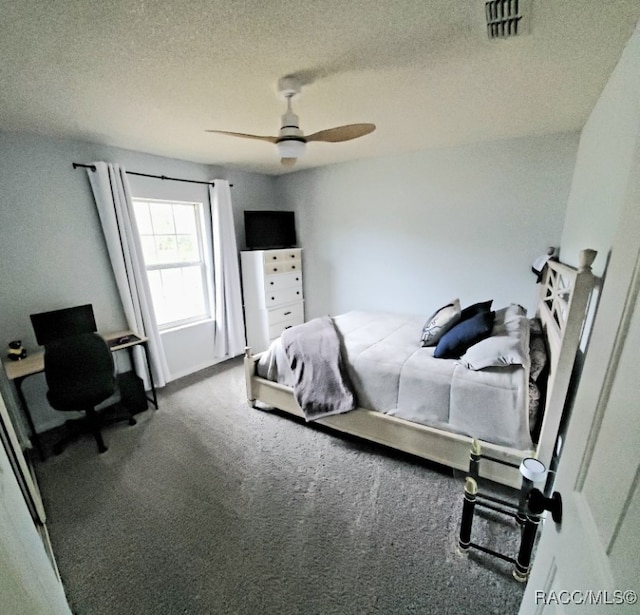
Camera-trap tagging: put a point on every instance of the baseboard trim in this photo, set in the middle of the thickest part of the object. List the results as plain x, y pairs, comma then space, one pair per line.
196, 368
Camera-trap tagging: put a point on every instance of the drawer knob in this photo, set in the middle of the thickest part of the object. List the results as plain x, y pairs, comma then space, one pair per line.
271, 283
287, 313
293, 266
273, 298
288, 327
274, 258
297, 292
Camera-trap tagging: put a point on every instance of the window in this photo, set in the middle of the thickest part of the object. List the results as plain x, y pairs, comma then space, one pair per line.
172, 237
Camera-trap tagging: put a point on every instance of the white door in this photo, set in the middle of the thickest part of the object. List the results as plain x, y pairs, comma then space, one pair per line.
28, 580
591, 563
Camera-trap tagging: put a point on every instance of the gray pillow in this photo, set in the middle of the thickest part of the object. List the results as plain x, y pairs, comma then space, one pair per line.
508, 319
508, 343
535, 405
440, 322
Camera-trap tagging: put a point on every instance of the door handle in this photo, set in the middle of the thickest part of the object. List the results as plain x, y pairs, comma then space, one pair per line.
538, 503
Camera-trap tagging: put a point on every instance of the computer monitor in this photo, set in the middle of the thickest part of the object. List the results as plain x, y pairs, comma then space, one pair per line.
51, 326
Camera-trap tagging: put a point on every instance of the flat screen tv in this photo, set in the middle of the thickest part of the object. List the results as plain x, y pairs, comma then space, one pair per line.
267, 230
51, 326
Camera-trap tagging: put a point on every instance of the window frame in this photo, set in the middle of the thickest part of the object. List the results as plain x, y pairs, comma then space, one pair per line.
204, 263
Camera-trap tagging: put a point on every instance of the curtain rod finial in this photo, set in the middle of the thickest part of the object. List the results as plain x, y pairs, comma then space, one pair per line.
77, 165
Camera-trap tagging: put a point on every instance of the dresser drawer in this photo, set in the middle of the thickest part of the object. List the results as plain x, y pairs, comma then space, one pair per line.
283, 280
291, 255
292, 265
270, 257
283, 295
276, 267
288, 314
294, 318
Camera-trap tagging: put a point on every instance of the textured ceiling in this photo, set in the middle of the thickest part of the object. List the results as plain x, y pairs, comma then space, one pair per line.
152, 76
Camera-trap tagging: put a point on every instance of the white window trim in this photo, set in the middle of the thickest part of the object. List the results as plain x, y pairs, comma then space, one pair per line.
205, 265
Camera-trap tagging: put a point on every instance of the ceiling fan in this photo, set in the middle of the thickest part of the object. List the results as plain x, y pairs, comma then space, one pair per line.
291, 142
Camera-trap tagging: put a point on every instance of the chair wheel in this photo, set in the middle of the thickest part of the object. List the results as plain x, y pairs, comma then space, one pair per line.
132, 421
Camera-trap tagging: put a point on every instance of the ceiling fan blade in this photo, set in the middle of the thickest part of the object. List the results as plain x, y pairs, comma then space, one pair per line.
288, 162
342, 133
245, 135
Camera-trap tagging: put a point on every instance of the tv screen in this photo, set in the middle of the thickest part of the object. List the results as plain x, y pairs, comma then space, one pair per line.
51, 326
265, 230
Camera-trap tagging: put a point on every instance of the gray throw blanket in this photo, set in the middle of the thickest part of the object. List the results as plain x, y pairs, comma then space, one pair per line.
321, 384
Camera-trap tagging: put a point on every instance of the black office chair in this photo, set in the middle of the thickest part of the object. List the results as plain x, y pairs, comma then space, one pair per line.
80, 374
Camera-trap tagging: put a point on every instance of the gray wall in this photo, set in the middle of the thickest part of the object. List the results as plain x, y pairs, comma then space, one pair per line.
402, 233
407, 233
52, 252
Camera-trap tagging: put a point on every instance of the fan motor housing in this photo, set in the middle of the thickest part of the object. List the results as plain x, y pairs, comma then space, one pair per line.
290, 127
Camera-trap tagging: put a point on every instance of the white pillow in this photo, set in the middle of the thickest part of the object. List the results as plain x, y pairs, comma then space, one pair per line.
508, 343
440, 322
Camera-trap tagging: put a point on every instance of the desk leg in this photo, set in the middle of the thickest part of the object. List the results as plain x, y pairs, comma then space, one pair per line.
32, 427
153, 400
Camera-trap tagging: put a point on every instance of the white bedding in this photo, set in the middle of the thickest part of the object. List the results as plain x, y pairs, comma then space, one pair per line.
393, 374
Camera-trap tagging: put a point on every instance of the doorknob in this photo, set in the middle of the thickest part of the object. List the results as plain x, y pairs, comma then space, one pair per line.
538, 503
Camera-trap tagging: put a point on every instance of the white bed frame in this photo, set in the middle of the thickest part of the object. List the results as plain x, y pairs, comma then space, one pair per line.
563, 301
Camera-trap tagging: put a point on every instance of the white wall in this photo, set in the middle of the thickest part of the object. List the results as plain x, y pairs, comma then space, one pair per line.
407, 233
604, 163
52, 252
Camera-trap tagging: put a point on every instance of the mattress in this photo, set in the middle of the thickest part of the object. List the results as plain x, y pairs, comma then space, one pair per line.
391, 373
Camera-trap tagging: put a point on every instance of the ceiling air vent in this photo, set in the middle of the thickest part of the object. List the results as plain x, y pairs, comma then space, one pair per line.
506, 18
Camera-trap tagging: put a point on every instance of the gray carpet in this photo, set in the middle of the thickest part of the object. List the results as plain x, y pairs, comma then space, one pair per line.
209, 506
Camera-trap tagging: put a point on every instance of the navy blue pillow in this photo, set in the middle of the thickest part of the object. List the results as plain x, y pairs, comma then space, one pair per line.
476, 308
454, 343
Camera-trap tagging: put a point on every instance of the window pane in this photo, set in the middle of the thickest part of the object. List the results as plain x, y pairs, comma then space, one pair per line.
166, 249
182, 295
172, 293
148, 249
185, 219
188, 248
193, 290
162, 218
155, 282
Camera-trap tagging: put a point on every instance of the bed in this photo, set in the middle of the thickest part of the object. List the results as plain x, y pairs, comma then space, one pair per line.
436, 407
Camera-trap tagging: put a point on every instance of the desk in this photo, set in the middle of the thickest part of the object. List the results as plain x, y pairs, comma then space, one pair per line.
33, 364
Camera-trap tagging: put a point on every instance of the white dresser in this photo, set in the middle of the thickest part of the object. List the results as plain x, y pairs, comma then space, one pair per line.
272, 292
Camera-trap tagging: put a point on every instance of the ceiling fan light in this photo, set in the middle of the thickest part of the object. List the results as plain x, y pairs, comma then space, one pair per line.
291, 148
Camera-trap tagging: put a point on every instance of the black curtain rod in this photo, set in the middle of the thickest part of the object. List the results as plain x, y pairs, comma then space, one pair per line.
77, 165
